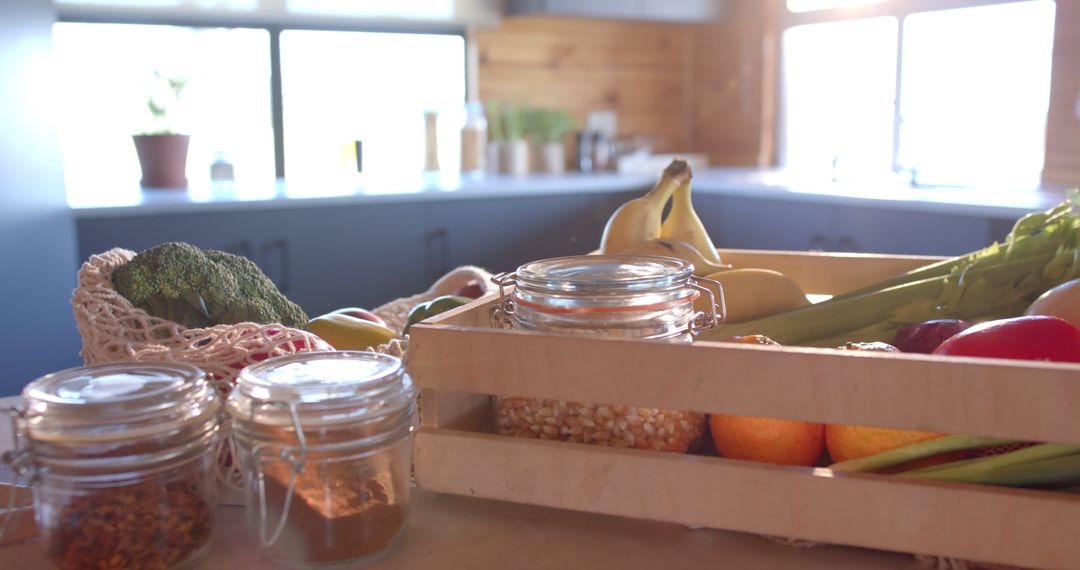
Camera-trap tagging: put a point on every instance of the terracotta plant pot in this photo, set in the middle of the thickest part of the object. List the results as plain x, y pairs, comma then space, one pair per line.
163, 159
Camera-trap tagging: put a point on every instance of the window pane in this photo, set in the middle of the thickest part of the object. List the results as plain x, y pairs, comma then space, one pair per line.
974, 94
105, 72
839, 91
375, 88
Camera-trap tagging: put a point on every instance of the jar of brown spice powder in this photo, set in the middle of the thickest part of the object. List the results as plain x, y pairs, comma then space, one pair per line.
625, 296
121, 459
325, 441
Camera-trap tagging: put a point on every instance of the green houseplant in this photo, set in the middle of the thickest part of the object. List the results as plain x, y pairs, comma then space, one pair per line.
162, 148
548, 129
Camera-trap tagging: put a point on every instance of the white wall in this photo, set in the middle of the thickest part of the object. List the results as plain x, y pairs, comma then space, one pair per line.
37, 234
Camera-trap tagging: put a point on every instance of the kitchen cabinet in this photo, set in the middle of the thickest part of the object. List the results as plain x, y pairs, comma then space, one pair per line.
321, 258
328, 257
754, 223
501, 234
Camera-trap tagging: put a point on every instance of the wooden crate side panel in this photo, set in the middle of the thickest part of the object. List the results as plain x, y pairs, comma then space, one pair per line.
1025, 528
1018, 399
825, 272
455, 410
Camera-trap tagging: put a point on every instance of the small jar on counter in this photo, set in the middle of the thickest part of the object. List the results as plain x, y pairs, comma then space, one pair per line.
639, 297
121, 460
325, 441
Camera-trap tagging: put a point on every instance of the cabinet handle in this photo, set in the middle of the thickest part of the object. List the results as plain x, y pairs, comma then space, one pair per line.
281, 247
848, 243
819, 242
438, 252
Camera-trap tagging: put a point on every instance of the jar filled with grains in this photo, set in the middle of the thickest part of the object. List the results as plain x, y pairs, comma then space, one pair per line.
604, 295
122, 463
325, 442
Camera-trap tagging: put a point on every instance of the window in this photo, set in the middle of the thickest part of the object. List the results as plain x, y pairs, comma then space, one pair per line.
336, 87
376, 90
103, 75
953, 97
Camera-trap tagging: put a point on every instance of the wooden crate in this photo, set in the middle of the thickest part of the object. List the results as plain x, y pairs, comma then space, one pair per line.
459, 361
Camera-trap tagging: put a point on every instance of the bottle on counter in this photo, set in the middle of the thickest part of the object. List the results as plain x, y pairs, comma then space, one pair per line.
431, 141
474, 141
584, 151
601, 152
221, 168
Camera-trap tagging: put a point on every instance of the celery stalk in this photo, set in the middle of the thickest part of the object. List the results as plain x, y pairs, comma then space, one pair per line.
1028, 466
1042, 251
920, 450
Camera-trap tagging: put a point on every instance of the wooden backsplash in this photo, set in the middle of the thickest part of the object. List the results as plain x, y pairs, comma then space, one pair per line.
637, 69
1062, 165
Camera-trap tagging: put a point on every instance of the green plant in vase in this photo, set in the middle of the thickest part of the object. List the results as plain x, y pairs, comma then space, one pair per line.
548, 129
162, 148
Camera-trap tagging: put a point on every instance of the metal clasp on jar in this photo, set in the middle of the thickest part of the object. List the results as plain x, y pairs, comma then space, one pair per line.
502, 313
296, 461
19, 458
706, 321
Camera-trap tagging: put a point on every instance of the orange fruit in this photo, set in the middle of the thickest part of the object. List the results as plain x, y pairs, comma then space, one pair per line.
784, 442
852, 442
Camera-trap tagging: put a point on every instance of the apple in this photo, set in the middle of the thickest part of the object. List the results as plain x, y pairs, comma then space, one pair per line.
361, 314
473, 290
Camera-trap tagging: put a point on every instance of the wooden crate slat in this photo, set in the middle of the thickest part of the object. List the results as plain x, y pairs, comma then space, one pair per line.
1006, 526
991, 397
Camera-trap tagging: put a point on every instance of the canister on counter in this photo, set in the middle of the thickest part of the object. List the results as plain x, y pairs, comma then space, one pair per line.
121, 458
325, 441
639, 297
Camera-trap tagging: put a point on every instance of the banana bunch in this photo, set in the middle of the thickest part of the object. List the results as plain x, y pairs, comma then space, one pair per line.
638, 227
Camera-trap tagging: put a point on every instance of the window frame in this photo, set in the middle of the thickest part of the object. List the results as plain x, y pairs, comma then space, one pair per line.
277, 108
898, 9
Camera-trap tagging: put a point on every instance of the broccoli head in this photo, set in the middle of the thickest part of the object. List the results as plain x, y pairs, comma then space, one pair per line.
198, 288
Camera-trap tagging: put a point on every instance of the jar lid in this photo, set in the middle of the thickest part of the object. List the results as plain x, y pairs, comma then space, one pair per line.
605, 273
603, 284
110, 402
323, 387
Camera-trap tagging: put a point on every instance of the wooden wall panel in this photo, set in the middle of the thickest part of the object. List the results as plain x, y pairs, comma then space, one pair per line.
637, 69
734, 78
1062, 165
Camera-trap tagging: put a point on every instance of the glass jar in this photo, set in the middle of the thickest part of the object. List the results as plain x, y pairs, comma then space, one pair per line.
121, 460
325, 442
604, 295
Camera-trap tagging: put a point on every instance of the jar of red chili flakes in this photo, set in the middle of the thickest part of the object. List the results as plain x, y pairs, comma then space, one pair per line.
122, 464
643, 297
325, 441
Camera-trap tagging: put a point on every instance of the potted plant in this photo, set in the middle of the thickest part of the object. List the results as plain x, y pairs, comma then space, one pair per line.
548, 128
514, 150
162, 149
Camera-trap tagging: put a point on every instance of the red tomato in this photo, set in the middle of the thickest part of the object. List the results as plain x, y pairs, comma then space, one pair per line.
1021, 338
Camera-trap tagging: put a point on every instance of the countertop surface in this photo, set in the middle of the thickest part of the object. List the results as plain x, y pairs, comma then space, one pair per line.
746, 182
449, 532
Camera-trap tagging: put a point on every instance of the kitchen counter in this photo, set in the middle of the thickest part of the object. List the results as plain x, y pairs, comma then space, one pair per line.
746, 182
448, 532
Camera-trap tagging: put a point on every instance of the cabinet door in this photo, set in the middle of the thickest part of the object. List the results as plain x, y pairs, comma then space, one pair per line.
323, 258
873, 230
501, 234
752, 223
362, 255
